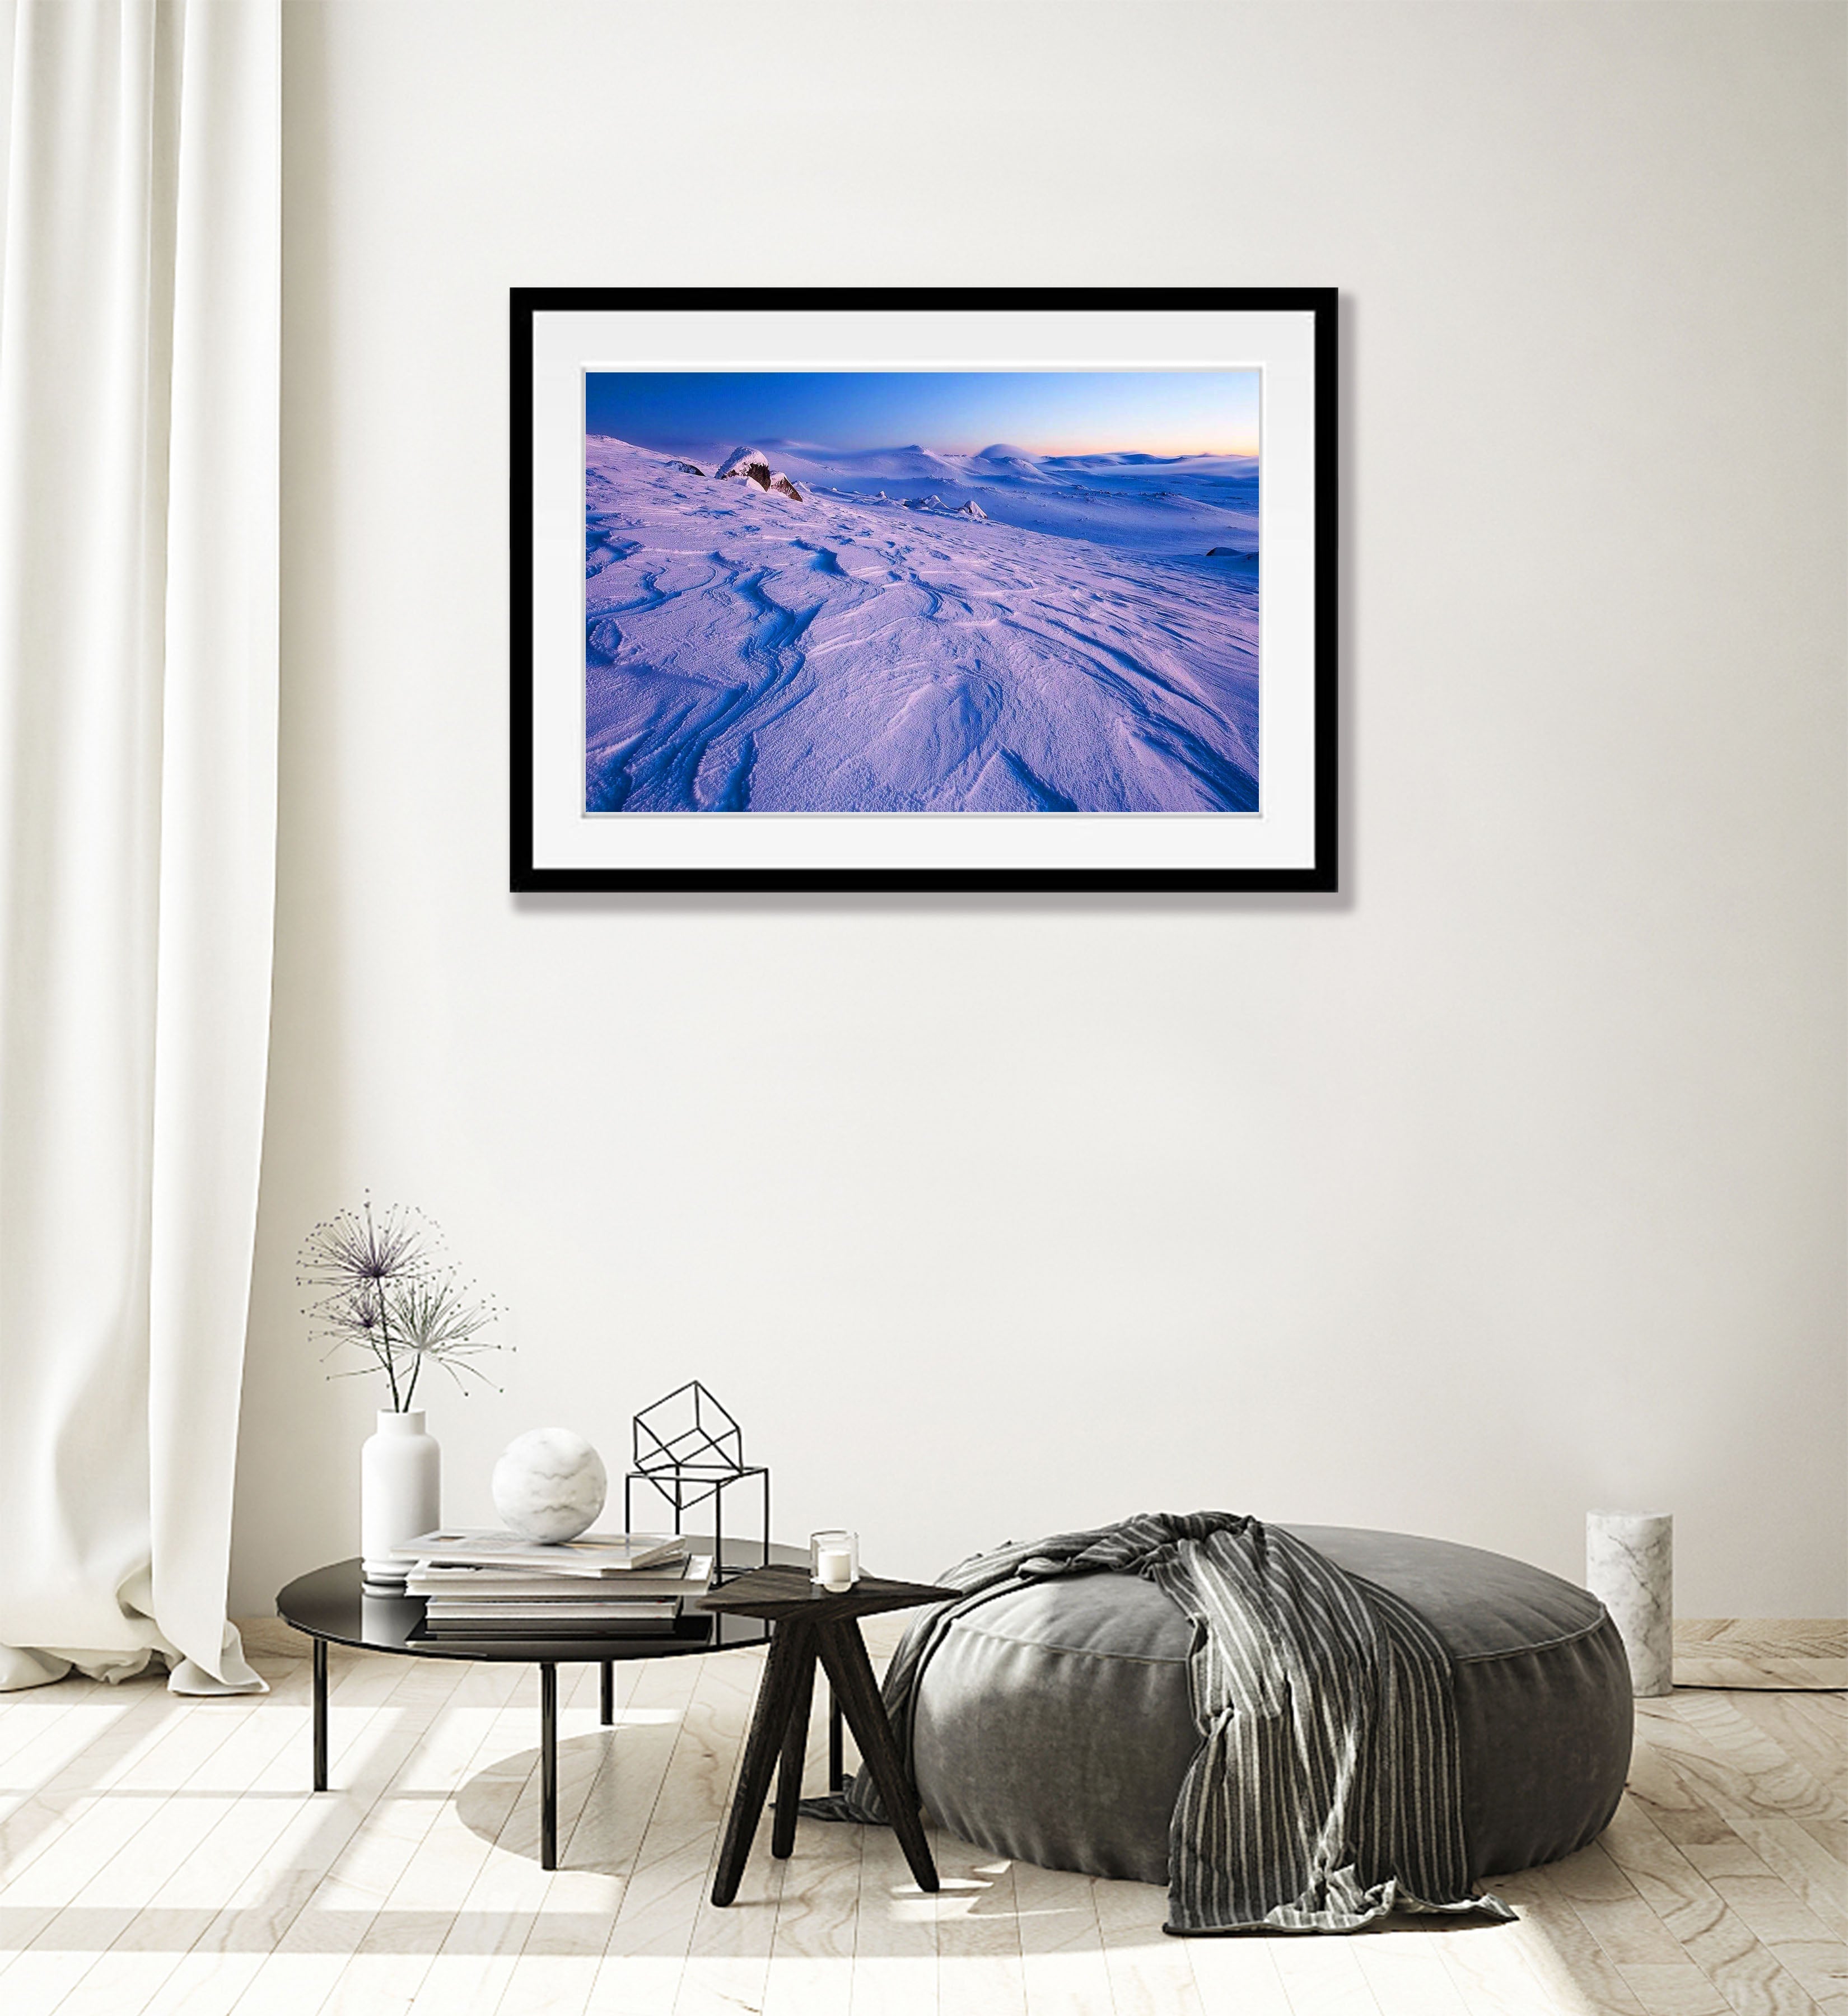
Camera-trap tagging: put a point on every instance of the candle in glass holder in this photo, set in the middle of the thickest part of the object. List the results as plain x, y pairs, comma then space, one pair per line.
833, 1559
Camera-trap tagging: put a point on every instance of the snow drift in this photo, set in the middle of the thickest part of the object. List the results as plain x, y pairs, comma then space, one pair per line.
852, 656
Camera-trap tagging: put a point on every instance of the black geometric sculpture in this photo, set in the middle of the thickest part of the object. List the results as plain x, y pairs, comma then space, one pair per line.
688, 1430
687, 1448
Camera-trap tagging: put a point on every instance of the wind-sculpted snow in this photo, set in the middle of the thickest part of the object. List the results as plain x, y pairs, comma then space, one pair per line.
746, 651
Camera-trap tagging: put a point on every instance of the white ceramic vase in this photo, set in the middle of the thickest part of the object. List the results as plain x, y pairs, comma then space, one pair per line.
401, 1474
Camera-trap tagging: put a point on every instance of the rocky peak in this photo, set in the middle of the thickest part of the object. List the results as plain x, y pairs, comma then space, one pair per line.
753, 464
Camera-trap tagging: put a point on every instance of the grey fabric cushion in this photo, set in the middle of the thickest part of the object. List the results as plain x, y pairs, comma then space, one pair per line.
1054, 1724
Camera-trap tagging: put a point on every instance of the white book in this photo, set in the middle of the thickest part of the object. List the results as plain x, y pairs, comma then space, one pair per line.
435, 1578
590, 1554
541, 1614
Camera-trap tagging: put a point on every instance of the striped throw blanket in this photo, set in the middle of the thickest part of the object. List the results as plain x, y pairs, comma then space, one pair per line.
1327, 1789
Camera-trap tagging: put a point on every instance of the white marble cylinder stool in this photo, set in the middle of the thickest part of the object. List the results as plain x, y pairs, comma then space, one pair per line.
1630, 1567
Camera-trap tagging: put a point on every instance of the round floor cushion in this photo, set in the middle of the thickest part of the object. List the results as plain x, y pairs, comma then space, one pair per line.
1054, 1724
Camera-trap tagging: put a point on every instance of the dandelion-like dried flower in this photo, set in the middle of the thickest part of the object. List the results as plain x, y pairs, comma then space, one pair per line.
357, 1246
386, 1290
437, 1322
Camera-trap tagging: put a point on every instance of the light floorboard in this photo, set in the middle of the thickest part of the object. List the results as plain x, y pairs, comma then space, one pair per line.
164, 1857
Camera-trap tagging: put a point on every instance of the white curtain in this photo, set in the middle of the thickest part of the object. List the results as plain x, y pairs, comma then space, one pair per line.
139, 396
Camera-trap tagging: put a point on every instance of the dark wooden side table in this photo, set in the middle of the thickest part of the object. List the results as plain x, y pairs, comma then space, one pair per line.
811, 1623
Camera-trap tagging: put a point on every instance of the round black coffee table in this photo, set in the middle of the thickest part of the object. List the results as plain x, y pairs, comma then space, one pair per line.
332, 1606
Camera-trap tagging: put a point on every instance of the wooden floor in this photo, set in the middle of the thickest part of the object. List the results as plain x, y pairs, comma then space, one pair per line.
164, 1856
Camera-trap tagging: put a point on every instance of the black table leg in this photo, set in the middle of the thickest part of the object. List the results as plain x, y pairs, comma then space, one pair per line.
850, 1674
836, 1763
795, 1750
605, 1710
320, 1714
792, 1657
548, 1765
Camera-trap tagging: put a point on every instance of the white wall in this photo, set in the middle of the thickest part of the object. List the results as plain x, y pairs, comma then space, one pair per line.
1511, 1182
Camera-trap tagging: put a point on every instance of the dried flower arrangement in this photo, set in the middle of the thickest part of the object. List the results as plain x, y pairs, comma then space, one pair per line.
385, 1288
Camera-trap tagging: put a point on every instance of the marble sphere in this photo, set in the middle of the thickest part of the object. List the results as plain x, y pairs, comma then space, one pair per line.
549, 1485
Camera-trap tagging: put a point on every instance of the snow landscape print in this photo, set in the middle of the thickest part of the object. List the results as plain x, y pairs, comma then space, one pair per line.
878, 592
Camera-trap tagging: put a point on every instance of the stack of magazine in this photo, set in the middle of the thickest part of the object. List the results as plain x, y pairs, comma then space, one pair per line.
485, 1585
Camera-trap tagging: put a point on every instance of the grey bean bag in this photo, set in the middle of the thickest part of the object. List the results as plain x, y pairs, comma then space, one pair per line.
1054, 1726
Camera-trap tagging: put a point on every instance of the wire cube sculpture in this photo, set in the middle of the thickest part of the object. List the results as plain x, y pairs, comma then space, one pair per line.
687, 1448
688, 1430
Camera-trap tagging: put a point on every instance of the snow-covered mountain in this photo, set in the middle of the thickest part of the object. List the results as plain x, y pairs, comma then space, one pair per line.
1154, 504
1002, 460
748, 649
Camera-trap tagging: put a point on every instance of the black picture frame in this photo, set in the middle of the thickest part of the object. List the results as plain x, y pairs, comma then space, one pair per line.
1316, 873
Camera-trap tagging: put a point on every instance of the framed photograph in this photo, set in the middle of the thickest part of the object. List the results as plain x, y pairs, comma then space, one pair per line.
1027, 589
